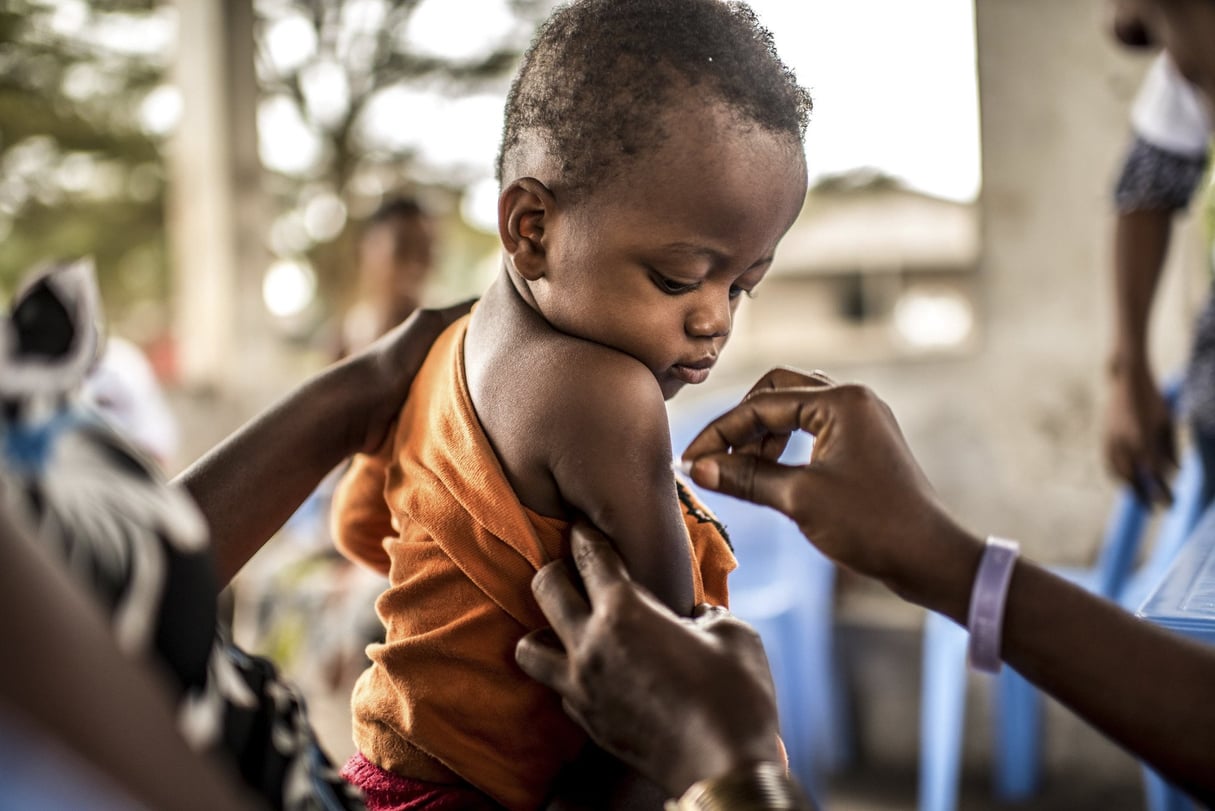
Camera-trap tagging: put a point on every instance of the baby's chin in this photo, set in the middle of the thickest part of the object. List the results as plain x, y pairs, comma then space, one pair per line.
669, 386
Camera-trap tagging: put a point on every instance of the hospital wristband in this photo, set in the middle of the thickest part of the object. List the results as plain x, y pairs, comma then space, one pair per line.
987, 598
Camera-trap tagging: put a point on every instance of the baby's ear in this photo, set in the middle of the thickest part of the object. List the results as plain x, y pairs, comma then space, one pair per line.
524, 210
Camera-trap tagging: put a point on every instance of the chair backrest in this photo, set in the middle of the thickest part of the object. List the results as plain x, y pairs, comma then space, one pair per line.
1120, 544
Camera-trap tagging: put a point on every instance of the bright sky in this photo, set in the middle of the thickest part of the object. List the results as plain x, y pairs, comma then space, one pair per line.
894, 86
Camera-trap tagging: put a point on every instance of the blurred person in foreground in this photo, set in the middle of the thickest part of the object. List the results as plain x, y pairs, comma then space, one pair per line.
122, 387
83, 511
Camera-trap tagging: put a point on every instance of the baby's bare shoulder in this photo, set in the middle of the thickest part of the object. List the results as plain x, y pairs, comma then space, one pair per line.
603, 385
554, 405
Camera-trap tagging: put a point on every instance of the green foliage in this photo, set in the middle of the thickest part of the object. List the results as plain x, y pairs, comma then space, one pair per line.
77, 174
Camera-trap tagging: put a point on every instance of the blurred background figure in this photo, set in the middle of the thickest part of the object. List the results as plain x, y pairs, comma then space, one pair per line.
395, 260
1161, 173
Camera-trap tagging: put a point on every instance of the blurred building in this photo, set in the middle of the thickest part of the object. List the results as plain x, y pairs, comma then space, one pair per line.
870, 271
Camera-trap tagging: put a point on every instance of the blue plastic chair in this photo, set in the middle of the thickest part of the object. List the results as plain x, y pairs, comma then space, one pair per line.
784, 588
1017, 755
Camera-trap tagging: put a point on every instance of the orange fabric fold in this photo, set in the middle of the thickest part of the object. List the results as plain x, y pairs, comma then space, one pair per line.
443, 698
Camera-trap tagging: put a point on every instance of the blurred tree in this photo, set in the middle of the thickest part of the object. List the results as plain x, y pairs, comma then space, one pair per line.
79, 174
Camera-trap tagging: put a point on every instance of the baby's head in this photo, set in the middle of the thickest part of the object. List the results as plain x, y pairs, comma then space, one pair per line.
593, 88
651, 160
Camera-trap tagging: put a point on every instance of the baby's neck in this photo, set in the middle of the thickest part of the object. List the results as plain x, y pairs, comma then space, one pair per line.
509, 303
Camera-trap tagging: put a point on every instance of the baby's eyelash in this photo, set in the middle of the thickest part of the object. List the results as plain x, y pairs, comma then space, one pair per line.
670, 286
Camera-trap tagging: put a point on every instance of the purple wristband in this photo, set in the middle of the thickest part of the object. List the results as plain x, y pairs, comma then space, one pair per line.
987, 596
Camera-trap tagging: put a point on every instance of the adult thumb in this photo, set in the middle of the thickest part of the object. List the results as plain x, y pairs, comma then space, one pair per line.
747, 476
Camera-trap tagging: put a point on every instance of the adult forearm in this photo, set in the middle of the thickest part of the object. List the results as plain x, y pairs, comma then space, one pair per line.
1140, 685
1131, 680
1141, 241
251, 483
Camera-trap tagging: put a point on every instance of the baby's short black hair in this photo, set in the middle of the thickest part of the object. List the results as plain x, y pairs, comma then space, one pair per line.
593, 84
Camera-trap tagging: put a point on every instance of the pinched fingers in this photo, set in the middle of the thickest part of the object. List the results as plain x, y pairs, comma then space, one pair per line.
763, 413
751, 478
724, 457
782, 377
772, 445
814, 409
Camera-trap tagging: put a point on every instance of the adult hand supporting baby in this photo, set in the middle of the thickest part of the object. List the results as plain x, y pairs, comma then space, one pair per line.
252, 482
862, 499
679, 700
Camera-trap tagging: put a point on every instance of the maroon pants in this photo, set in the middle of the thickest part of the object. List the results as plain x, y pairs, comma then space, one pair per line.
385, 791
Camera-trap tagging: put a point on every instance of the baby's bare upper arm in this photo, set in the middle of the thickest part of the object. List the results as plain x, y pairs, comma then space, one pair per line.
611, 460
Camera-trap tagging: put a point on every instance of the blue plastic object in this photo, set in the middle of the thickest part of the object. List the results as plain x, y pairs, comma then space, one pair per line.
1017, 751
1183, 602
1184, 599
784, 588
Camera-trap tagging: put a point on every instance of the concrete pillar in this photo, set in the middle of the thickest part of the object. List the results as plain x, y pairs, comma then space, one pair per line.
231, 362
217, 214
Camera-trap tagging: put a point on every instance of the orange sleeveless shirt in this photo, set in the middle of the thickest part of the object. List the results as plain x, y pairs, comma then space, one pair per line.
434, 512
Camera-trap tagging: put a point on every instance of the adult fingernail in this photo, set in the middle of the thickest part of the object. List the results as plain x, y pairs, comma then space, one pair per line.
706, 473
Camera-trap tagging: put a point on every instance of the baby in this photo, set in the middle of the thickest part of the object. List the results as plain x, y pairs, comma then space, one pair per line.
651, 160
